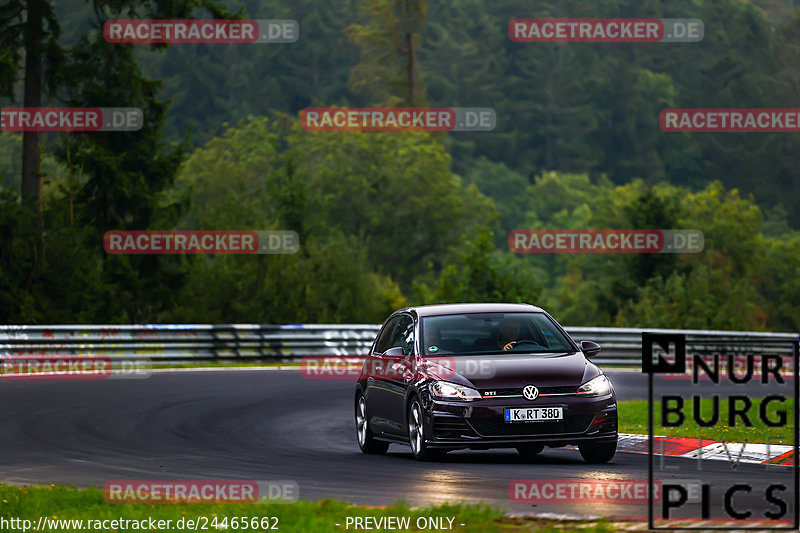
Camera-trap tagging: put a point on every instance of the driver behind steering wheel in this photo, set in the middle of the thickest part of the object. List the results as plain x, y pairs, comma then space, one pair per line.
508, 333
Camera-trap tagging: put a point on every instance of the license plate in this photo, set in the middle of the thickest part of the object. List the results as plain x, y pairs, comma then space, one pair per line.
534, 414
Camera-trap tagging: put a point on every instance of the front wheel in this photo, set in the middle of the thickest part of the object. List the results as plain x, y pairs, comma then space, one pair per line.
366, 440
416, 435
598, 452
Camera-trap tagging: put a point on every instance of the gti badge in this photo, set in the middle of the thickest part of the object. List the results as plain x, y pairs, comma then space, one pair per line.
530, 392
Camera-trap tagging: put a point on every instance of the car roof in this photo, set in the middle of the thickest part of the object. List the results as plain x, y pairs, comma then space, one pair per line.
455, 309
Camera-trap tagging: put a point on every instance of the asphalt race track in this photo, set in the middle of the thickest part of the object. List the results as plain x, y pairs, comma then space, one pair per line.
278, 425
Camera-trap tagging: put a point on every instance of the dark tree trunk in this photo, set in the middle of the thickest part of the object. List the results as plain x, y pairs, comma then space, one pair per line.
31, 178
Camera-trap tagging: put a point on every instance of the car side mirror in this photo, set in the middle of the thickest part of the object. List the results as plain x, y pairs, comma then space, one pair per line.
589, 348
394, 353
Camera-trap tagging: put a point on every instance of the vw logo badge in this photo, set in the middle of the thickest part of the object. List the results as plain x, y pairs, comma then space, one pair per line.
530, 392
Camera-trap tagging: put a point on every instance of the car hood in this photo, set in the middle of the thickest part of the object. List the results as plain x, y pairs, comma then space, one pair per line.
517, 370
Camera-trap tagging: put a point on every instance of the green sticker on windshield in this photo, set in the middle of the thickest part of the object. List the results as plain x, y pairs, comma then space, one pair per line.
433, 349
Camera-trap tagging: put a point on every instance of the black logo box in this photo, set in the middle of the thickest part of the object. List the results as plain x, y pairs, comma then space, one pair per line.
665, 341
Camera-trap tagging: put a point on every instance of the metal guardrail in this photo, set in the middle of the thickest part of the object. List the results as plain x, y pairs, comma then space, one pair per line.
188, 342
623, 346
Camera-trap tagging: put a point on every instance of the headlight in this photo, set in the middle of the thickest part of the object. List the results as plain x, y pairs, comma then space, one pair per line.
599, 386
451, 391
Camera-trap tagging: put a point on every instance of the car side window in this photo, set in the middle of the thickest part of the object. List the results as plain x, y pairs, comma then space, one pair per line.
384, 342
404, 335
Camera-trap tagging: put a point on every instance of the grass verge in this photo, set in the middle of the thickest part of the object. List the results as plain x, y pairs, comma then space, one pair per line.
633, 419
65, 504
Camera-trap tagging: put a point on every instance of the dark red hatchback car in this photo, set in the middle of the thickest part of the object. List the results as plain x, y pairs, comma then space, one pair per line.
479, 376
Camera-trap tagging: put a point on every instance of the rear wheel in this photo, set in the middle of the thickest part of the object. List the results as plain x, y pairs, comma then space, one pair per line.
366, 440
416, 435
530, 450
598, 451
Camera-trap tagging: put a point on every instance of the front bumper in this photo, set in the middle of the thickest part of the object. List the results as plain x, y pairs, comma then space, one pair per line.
481, 425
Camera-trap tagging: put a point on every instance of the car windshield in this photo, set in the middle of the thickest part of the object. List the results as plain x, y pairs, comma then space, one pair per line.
484, 333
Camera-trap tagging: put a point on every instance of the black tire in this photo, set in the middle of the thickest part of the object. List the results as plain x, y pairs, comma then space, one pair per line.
416, 435
530, 450
596, 452
366, 440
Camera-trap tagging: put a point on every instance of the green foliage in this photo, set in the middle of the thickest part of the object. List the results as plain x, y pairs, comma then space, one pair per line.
328, 281
243, 180
410, 210
28, 24
574, 108
776, 275
389, 39
62, 505
704, 298
232, 182
394, 190
212, 85
46, 275
479, 273
388, 216
10, 159
721, 287
506, 187
106, 180
742, 280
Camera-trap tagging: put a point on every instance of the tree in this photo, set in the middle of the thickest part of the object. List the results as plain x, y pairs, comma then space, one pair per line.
411, 208
506, 188
29, 25
327, 281
124, 171
478, 273
707, 297
331, 278
211, 86
390, 43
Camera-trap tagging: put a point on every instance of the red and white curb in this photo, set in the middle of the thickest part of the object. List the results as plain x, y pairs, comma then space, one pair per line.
703, 449
639, 523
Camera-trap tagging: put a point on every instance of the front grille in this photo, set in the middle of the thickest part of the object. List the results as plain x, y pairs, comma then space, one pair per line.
517, 391
496, 427
573, 389
449, 427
